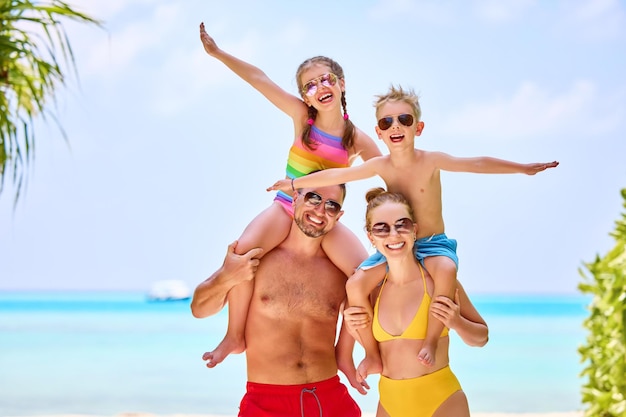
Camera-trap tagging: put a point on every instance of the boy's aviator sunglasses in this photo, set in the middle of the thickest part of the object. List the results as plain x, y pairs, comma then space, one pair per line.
327, 80
314, 199
383, 230
404, 119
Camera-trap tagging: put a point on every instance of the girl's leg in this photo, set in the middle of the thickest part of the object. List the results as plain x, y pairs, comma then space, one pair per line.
265, 231
456, 405
443, 271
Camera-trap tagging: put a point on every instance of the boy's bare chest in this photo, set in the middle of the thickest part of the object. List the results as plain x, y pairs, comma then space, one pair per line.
410, 181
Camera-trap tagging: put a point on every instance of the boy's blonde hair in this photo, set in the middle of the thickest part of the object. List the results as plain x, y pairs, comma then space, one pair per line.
399, 94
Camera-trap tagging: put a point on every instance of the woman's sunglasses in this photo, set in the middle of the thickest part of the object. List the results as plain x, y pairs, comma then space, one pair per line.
383, 230
314, 199
327, 80
404, 119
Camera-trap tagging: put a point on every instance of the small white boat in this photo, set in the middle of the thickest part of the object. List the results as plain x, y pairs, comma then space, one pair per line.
169, 290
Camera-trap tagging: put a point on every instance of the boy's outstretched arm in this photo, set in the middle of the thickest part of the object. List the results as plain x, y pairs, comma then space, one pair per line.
488, 165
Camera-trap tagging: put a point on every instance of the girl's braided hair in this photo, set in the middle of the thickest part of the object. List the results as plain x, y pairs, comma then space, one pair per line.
349, 129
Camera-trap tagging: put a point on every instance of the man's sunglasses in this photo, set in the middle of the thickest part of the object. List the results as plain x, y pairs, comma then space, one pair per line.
314, 199
404, 119
383, 230
327, 80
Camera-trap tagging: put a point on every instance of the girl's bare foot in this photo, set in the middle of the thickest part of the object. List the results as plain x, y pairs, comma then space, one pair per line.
227, 346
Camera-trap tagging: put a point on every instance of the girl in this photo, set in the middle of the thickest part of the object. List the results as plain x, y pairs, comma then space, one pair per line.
324, 137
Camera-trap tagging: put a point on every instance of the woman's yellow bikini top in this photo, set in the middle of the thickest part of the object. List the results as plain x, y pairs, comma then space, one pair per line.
416, 329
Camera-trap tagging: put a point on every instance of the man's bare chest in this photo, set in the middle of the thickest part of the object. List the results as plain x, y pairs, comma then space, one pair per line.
299, 286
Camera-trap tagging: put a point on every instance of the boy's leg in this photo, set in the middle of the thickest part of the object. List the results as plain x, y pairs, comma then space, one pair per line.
443, 271
265, 231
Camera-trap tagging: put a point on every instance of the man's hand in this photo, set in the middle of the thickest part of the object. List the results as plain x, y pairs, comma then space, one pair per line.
361, 386
240, 268
210, 295
366, 367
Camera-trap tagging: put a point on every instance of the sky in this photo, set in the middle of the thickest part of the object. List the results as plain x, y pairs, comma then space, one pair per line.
168, 153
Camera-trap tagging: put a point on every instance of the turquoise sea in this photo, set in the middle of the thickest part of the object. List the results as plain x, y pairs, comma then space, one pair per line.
109, 353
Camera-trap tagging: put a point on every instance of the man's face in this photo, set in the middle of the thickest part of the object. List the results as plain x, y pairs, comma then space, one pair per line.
316, 210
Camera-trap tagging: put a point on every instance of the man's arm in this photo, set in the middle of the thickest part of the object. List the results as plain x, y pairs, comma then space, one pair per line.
345, 361
210, 295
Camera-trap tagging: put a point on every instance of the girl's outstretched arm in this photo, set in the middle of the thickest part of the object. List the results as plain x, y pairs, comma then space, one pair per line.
288, 103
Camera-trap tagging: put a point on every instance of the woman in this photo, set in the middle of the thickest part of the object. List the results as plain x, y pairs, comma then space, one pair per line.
407, 386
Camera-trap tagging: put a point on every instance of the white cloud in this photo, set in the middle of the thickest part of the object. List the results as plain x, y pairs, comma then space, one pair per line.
594, 19
444, 12
532, 110
105, 54
192, 72
422, 11
499, 11
105, 10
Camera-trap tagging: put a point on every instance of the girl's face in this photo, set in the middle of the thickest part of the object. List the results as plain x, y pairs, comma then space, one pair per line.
396, 124
320, 87
391, 230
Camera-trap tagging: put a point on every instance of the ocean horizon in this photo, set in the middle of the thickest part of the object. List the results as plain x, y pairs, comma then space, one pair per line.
106, 353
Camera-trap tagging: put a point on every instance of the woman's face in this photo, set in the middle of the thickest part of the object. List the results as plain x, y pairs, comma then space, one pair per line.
391, 230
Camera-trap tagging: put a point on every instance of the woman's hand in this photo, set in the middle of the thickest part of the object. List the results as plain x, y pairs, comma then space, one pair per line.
356, 318
367, 367
446, 310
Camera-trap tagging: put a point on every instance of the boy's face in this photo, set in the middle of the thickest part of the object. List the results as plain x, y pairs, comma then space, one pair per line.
397, 124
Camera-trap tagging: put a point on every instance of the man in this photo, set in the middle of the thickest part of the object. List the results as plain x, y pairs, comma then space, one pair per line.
292, 320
